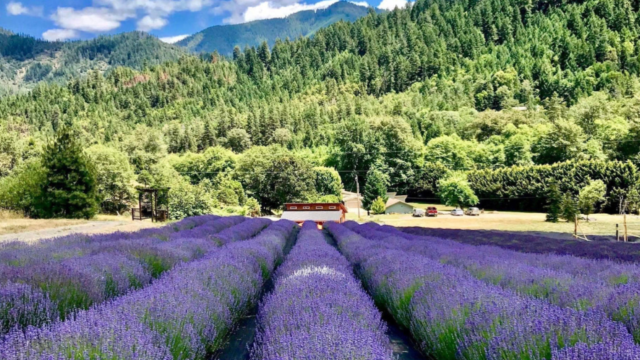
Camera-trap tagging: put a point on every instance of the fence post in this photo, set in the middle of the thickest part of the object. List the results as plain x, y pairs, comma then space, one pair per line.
617, 232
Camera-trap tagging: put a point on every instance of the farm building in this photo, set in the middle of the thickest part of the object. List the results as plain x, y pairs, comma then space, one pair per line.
351, 200
319, 213
397, 206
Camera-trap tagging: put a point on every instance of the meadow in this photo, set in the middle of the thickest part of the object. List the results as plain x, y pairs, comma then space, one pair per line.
182, 291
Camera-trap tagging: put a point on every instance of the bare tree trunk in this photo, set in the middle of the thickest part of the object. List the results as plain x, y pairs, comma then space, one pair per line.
358, 194
626, 238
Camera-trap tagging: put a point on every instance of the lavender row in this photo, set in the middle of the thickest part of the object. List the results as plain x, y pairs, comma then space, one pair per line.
186, 314
610, 271
318, 310
23, 254
234, 234
66, 286
453, 315
600, 284
617, 251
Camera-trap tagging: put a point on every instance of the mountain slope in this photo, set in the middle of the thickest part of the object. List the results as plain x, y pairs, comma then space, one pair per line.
25, 61
224, 38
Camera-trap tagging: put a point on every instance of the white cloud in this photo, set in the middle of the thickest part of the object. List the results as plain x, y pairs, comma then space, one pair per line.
16, 8
269, 10
360, 3
149, 23
173, 39
392, 4
90, 19
60, 34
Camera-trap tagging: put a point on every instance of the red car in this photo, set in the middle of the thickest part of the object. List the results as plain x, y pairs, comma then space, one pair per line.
432, 211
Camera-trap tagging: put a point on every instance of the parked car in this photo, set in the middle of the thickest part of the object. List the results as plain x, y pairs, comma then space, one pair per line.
432, 211
473, 211
457, 212
418, 213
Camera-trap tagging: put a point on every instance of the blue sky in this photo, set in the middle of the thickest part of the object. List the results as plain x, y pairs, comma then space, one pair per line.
167, 19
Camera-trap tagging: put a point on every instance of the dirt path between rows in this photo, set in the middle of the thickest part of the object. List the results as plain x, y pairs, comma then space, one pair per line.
91, 227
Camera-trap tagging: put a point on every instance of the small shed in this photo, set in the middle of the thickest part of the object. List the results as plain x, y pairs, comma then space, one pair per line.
153, 203
397, 206
318, 213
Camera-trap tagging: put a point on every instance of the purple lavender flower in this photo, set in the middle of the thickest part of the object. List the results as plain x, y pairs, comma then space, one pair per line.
453, 315
318, 310
186, 314
244, 230
22, 306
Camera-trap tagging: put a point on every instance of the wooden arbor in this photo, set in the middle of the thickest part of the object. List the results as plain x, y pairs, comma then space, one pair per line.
153, 203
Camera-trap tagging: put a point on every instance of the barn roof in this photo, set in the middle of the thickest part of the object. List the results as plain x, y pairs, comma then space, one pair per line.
312, 215
392, 202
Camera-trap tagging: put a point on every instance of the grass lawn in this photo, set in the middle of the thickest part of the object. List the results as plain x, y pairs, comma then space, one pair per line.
600, 224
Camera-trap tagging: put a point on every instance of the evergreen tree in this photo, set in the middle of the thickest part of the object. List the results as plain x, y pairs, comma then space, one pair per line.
554, 198
69, 189
376, 187
569, 207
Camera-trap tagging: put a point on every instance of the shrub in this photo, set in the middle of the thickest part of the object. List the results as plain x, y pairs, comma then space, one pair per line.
378, 206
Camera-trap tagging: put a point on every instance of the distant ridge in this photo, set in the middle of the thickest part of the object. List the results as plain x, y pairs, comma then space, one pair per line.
223, 38
25, 60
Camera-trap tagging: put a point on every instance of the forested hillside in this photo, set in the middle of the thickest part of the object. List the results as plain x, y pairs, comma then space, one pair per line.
223, 38
472, 85
25, 61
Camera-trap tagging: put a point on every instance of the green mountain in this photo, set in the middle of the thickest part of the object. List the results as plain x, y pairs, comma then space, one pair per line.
25, 61
473, 85
224, 38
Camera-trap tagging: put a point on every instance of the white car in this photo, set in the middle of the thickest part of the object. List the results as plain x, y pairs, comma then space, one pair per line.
473, 211
457, 212
418, 213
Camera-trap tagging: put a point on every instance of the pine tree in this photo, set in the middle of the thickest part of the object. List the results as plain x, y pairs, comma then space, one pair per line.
376, 187
554, 198
208, 138
70, 188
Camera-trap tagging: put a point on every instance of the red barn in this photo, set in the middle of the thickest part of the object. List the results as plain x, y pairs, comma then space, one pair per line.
318, 213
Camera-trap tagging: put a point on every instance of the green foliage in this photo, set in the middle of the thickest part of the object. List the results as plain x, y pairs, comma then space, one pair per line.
591, 195
185, 199
425, 186
21, 190
376, 187
70, 188
252, 207
378, 206
554, 198
455, 191
275, 176
507, 188
115, 178
238, 140
569, 209
328, 182
456, 82
207, 165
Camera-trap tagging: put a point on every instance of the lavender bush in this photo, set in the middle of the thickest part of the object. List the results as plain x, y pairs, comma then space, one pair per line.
567, 281
318, 310
184, 315
24, 306
244, 230
453, 315
109, 269
536, 244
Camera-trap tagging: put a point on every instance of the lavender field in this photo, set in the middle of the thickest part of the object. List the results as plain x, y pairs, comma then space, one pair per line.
184, 290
